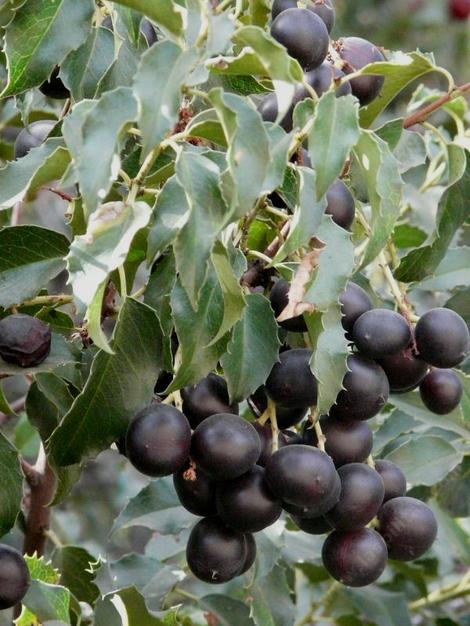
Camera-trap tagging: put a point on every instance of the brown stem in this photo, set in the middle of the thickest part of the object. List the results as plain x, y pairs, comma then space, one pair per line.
252, 276
60, 193
425, 112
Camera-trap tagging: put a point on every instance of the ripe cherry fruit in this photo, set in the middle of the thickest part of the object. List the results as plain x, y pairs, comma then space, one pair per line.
313, 526
340, 205
442, 338
393, 478
291, 382
346, 441
404, 370
323, 8
380, 332
354, 302
208, 397
195, 490
304, 34
321, 79
14, 577
441, 391
356, 53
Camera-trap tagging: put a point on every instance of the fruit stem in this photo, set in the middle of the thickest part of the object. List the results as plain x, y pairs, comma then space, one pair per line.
123, 281
443, 594
315, 419
370, 461
185, 594
274, 427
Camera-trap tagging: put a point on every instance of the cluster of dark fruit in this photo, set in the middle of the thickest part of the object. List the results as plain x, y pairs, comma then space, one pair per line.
14, 577
24, 340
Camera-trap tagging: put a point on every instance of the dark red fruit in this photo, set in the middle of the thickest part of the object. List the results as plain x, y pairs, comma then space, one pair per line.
14, 577
393, 478
354, 302
441, 391
313, 526
208, 397
250, 553
304, 476
459, 9
32, 136
381, 332
404, 371
195, 490
356, 53
442, 338
355, 558
408, 527
246, 503
291, 382
365, 390
346, 441
304, 34
225, 446
323, 8
158, 440
215, 553
24, 340
54, 87
279, 300
321, 80
266, 438
340, 205
362, 494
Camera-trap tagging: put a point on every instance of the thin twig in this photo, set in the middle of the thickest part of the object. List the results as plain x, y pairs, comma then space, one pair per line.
425, 112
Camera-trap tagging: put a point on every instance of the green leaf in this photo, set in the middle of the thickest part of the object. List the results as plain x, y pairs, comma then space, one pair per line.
272, 594
30, 256
118, 386
104, 247
408, 236
394, 425
381, 607
11, 493
56, 391
36, 40
200, 178
453, 271
453, 493
91, 133
93, 317
334, 133
453, 211
73, 562
384, 185
399, 72
425, 460
166, 13
4, 404
252, 350
227, 610
83, 68
162, 73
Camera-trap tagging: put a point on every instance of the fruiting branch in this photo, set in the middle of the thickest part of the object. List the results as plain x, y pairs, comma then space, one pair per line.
425, 112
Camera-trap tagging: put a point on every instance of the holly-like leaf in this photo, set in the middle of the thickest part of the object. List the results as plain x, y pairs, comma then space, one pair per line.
12, 485
74, 564
334, 133
104, 247
381, 607
36, 40
30, 256
252, 350
384, 186
166, 13
91, 133
227, 610
453, 211
119, 385
453, 271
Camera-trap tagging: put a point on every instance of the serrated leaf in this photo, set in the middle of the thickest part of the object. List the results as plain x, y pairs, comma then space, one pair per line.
272, 599
91, 133
36, 40
252, 350
104, 247
83, 68
30, 256
334, 133
45, 602
119, 385
453, 210
453, 271
73, 562
381, 607
384, 185
227, 610
453, 493
166, 13
162, 73
11, 493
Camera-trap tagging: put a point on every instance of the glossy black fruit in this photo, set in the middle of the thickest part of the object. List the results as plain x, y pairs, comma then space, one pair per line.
355, 558
441, 391
354, 302
32, 136
381, 332
323, 8
442, 338
340, 205
268, 108
304, 476
362, 494
208, 397
250, 553
292, 438
304, 34
158, 440
291, 382
393, 478
279, 300
346, 441
404, 371
321, 79
313, 526
365, 390
14, 577
246, 503
195, 490
356, 53
215, 553
408, 527
266, 438
54, 87
225, 446
24, 340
